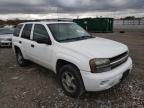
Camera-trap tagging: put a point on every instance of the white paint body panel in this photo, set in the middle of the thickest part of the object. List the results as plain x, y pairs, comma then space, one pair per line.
97, 47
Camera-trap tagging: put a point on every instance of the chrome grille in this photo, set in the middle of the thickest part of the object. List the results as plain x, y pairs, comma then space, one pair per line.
118, 60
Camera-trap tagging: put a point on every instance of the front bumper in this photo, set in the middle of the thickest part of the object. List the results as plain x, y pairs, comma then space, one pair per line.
5, 43
105, 80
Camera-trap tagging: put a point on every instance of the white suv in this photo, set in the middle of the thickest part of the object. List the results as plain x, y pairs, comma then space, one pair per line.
81, 62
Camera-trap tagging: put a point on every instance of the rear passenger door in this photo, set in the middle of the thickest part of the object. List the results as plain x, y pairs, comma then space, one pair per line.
42, 53
25, 40
15, 37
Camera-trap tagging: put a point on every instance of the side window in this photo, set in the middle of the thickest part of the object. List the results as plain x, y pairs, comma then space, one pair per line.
26, 31
39, 32
17, 30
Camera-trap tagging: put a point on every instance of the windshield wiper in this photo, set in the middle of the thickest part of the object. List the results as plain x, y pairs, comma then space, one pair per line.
78, 38
89, 36
68, 39
84, 37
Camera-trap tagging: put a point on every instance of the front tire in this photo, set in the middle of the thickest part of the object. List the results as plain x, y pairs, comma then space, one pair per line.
20, 59
71, 81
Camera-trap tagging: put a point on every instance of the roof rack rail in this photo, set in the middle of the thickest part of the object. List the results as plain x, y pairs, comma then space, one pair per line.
59, 19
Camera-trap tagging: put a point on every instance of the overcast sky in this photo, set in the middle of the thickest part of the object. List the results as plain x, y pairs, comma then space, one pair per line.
41, 9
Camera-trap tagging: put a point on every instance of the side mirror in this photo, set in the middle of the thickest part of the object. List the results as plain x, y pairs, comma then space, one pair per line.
44, 40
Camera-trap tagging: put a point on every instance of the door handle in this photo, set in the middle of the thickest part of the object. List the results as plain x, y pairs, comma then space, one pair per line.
20, 42
32, 45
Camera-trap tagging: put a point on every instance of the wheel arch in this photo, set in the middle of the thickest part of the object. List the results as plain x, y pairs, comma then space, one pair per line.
62, 62
16, 48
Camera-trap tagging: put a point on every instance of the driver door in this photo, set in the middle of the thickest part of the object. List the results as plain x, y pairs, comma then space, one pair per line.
41, 53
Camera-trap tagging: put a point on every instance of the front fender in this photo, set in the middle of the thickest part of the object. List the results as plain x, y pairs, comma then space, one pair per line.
82, 64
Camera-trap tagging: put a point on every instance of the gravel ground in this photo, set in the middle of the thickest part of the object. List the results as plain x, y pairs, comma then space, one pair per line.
37, 87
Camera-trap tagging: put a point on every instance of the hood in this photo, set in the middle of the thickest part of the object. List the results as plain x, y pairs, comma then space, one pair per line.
6, 36
96, 47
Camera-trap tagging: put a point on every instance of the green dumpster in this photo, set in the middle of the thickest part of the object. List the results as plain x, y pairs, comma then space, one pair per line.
96, 24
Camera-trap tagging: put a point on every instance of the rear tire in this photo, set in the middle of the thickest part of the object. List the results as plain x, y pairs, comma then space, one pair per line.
20, 59
71, 81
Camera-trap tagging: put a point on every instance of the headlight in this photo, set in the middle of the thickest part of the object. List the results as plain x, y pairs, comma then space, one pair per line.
99, 65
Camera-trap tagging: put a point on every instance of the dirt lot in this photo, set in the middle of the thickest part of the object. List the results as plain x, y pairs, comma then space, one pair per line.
37, 87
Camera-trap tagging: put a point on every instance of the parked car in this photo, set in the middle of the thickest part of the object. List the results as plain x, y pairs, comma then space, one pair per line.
81, 62
6, 37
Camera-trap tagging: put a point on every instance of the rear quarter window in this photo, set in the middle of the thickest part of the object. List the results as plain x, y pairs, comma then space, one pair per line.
17, 30
26, 31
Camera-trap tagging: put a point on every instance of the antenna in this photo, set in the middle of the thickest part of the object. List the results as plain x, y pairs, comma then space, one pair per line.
62, 19
57, 14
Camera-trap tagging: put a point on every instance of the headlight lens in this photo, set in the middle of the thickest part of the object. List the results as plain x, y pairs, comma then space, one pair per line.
99, 65
100, 62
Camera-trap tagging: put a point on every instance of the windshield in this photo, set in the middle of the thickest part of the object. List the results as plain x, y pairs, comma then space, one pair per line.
6, 31
64, 32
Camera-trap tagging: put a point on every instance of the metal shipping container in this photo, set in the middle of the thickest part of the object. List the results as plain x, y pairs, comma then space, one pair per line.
96, 24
